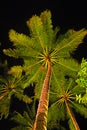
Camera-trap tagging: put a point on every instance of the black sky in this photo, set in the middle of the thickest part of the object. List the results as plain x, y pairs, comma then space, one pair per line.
65, 13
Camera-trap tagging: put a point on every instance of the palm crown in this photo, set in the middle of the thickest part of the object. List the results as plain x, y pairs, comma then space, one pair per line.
63, 102
43, 44
12, 85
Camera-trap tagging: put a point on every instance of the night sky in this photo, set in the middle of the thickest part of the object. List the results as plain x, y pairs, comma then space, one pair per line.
65, 14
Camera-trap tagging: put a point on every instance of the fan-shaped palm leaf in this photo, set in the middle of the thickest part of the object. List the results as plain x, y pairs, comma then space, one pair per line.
12, 85
62, 98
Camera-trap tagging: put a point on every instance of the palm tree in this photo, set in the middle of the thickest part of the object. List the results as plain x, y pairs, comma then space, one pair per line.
42, 52
12, 85
63, 103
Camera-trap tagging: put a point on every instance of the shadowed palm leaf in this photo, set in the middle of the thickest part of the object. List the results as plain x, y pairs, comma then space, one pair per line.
25, 121
12, 85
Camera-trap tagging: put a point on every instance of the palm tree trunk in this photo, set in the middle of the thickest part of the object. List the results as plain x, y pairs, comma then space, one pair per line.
42, 111
72, 116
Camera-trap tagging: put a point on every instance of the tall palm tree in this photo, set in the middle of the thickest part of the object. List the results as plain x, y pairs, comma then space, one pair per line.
63, 103
42, 51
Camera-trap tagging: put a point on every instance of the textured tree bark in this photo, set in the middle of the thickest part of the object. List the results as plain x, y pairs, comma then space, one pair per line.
42, 111
72, 116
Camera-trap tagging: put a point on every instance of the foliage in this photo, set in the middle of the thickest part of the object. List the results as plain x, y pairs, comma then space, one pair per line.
82, 81
66, 90
24, 121
82, 74
57, 109
11, 85
43, 42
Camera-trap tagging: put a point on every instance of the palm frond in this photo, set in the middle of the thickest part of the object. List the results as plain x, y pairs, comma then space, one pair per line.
39, 84
22, 121
25, 120
19, 118
4, 107
10, 52
68, 65
20, 128
22, 40
76, 88
56, 112
71, 126
20, 53
47, 23
37, 31
32, 75
69, 41
80, 108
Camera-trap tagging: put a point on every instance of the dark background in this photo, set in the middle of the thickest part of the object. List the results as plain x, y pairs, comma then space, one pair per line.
65, 14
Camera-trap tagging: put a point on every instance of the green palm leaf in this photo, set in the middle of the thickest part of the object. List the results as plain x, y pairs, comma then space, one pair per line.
38, 32
68, 42
80, 108
47, 23
23, 122
20, 128
71, 126
22, 40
